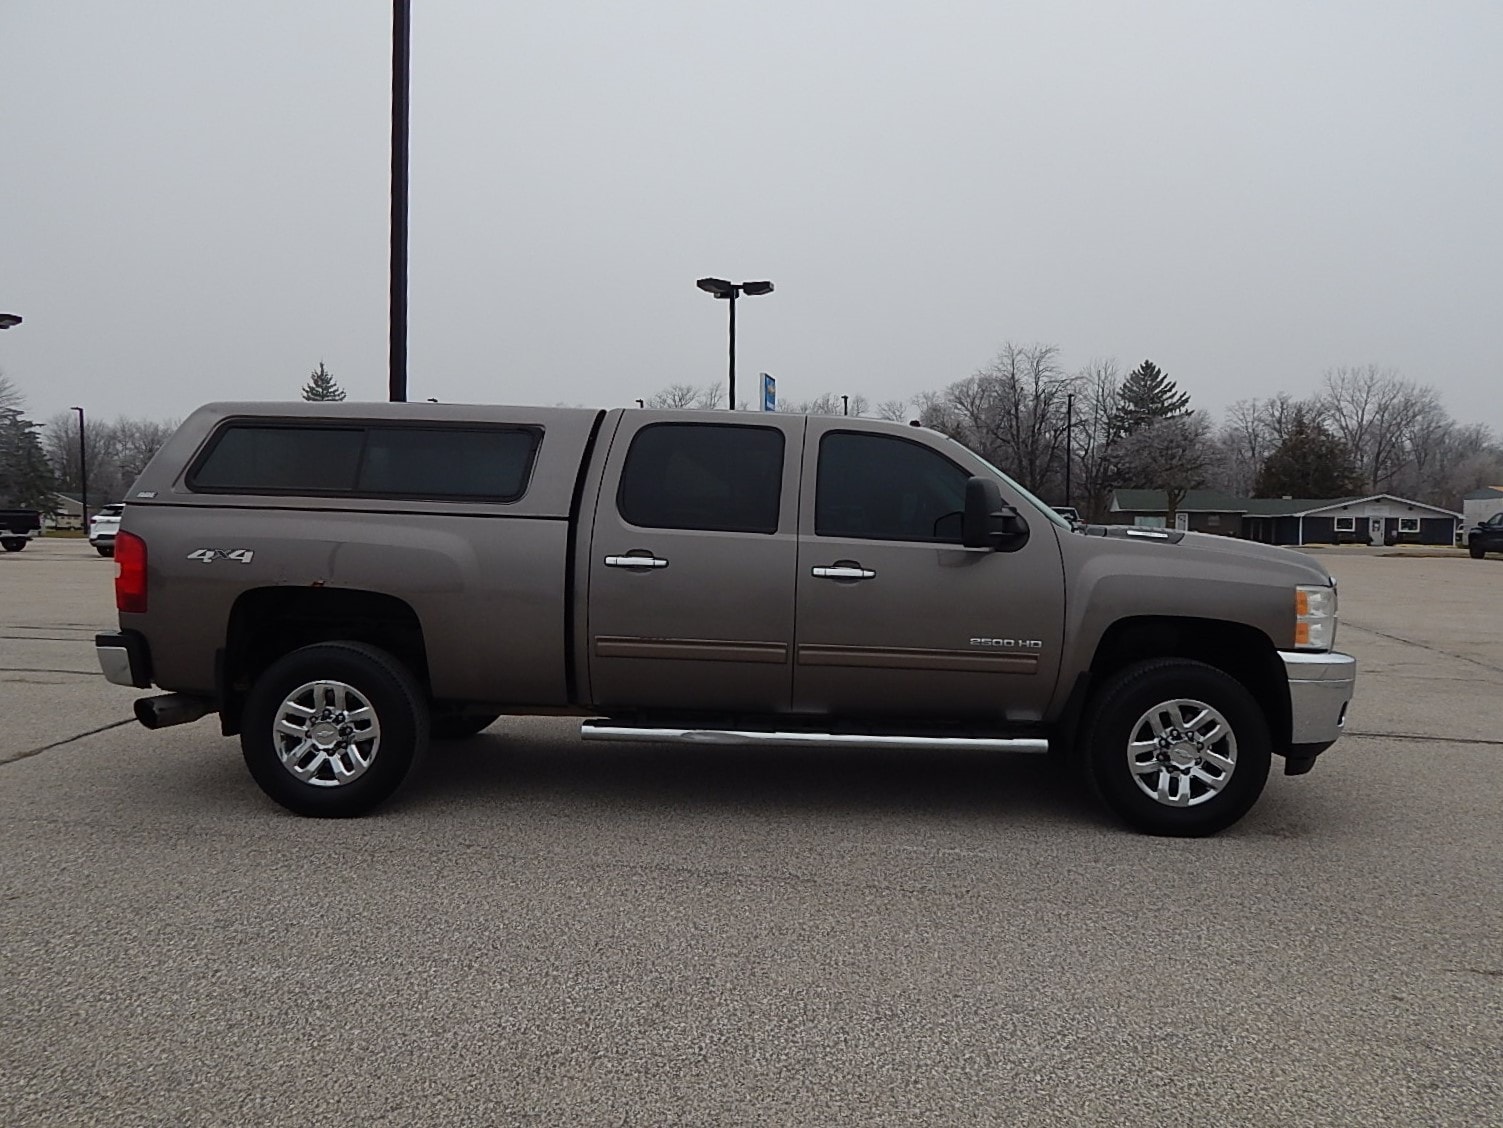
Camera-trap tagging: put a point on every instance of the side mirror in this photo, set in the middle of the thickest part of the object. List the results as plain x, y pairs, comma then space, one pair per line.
987, 522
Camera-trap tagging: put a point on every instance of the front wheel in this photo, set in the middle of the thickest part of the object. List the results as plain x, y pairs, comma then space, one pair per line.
1476, 550
332, 730
1175, 747
13, 544
105, 550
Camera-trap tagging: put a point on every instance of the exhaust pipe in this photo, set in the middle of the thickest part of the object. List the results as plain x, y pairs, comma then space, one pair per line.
172, 709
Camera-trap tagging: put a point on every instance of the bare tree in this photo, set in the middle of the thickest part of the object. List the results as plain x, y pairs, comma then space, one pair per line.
1170, 455
894, 411
1254, 429
136, 442
1011, 412
1093, 445
678, 397
826, 403
1462, 459
118, 452
1373, 410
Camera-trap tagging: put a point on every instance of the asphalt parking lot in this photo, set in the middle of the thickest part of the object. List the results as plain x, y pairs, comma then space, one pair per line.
544, 932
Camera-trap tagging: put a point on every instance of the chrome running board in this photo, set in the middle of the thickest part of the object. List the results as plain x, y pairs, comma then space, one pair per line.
643, 734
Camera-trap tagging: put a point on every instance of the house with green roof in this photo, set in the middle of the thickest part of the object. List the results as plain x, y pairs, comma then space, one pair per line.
1200, 511
1373, 519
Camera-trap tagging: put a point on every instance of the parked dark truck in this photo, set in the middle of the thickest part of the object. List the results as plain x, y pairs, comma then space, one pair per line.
18, 527
339, 582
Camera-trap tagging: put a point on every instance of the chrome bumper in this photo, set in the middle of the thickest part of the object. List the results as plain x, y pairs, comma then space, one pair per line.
124, 658
1320, 687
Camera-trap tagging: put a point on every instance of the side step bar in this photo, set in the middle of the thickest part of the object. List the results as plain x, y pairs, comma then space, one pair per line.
642, 734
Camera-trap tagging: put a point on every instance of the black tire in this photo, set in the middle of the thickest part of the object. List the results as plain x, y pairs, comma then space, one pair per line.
1477, 551
103, 551
13, 544
460, 726
1118, 715
391, 692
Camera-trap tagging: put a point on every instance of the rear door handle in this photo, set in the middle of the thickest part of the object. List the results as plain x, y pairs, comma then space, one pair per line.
643, 561
843, 571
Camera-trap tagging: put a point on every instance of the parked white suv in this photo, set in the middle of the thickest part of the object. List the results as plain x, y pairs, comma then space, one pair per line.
103, 527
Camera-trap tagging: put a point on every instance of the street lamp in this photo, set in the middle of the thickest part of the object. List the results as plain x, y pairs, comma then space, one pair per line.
730, 291
401, 68
9, 320
845, 405
1069, 444
83, 472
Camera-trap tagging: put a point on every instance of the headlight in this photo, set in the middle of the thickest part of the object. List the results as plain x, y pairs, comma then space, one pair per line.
1314, 618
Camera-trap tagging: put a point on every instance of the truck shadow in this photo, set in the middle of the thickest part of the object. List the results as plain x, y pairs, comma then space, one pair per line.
502, 767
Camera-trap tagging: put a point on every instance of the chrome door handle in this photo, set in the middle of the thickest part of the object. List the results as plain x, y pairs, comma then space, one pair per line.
843, 572
635, 562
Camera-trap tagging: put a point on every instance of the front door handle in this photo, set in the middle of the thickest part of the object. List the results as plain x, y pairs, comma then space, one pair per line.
843, 570
645, 560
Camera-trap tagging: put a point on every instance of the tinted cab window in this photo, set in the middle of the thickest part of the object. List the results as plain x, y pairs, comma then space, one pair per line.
879, 487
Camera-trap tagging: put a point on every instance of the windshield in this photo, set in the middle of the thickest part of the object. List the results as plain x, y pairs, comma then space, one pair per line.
1035, 502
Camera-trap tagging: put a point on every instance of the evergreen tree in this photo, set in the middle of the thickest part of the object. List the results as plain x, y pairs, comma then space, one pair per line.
25, 475
1147, 395
1310, 463
322, 386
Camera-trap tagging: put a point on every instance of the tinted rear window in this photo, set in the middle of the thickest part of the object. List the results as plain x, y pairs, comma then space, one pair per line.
291, 459
492, 463
703, 476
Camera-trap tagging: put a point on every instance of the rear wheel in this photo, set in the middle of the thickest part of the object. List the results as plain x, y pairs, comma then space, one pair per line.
105, 550
1175, 747
13, 544
332, 730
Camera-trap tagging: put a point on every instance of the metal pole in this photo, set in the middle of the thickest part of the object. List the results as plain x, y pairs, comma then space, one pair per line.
83, 472
845, 405
1069, 443
735, 293
401, 34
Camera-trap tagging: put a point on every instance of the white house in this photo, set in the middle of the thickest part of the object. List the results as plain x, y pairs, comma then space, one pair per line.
1479, 505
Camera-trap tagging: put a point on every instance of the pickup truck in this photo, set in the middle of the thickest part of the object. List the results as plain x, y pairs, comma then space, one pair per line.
342, 582
1485, 537
18, 527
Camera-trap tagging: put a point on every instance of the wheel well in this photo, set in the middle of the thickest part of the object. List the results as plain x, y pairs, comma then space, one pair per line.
267, 623
1244, 652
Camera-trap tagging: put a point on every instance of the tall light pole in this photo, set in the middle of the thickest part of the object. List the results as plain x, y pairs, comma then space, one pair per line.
1069, 443
730, 291
845, 405
83, 472
401, 36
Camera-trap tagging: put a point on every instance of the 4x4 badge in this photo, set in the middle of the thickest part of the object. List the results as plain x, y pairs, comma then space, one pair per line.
209, 555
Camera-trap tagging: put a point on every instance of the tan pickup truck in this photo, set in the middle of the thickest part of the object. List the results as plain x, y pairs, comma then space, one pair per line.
343, 582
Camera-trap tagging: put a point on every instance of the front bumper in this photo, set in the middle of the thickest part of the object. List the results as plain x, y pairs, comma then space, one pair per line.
1320, 688
124, 657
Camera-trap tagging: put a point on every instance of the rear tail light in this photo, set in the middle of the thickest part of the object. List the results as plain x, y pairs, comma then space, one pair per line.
130, 578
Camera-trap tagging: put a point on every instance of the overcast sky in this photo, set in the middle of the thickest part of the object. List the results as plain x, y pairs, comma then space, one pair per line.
194, 195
